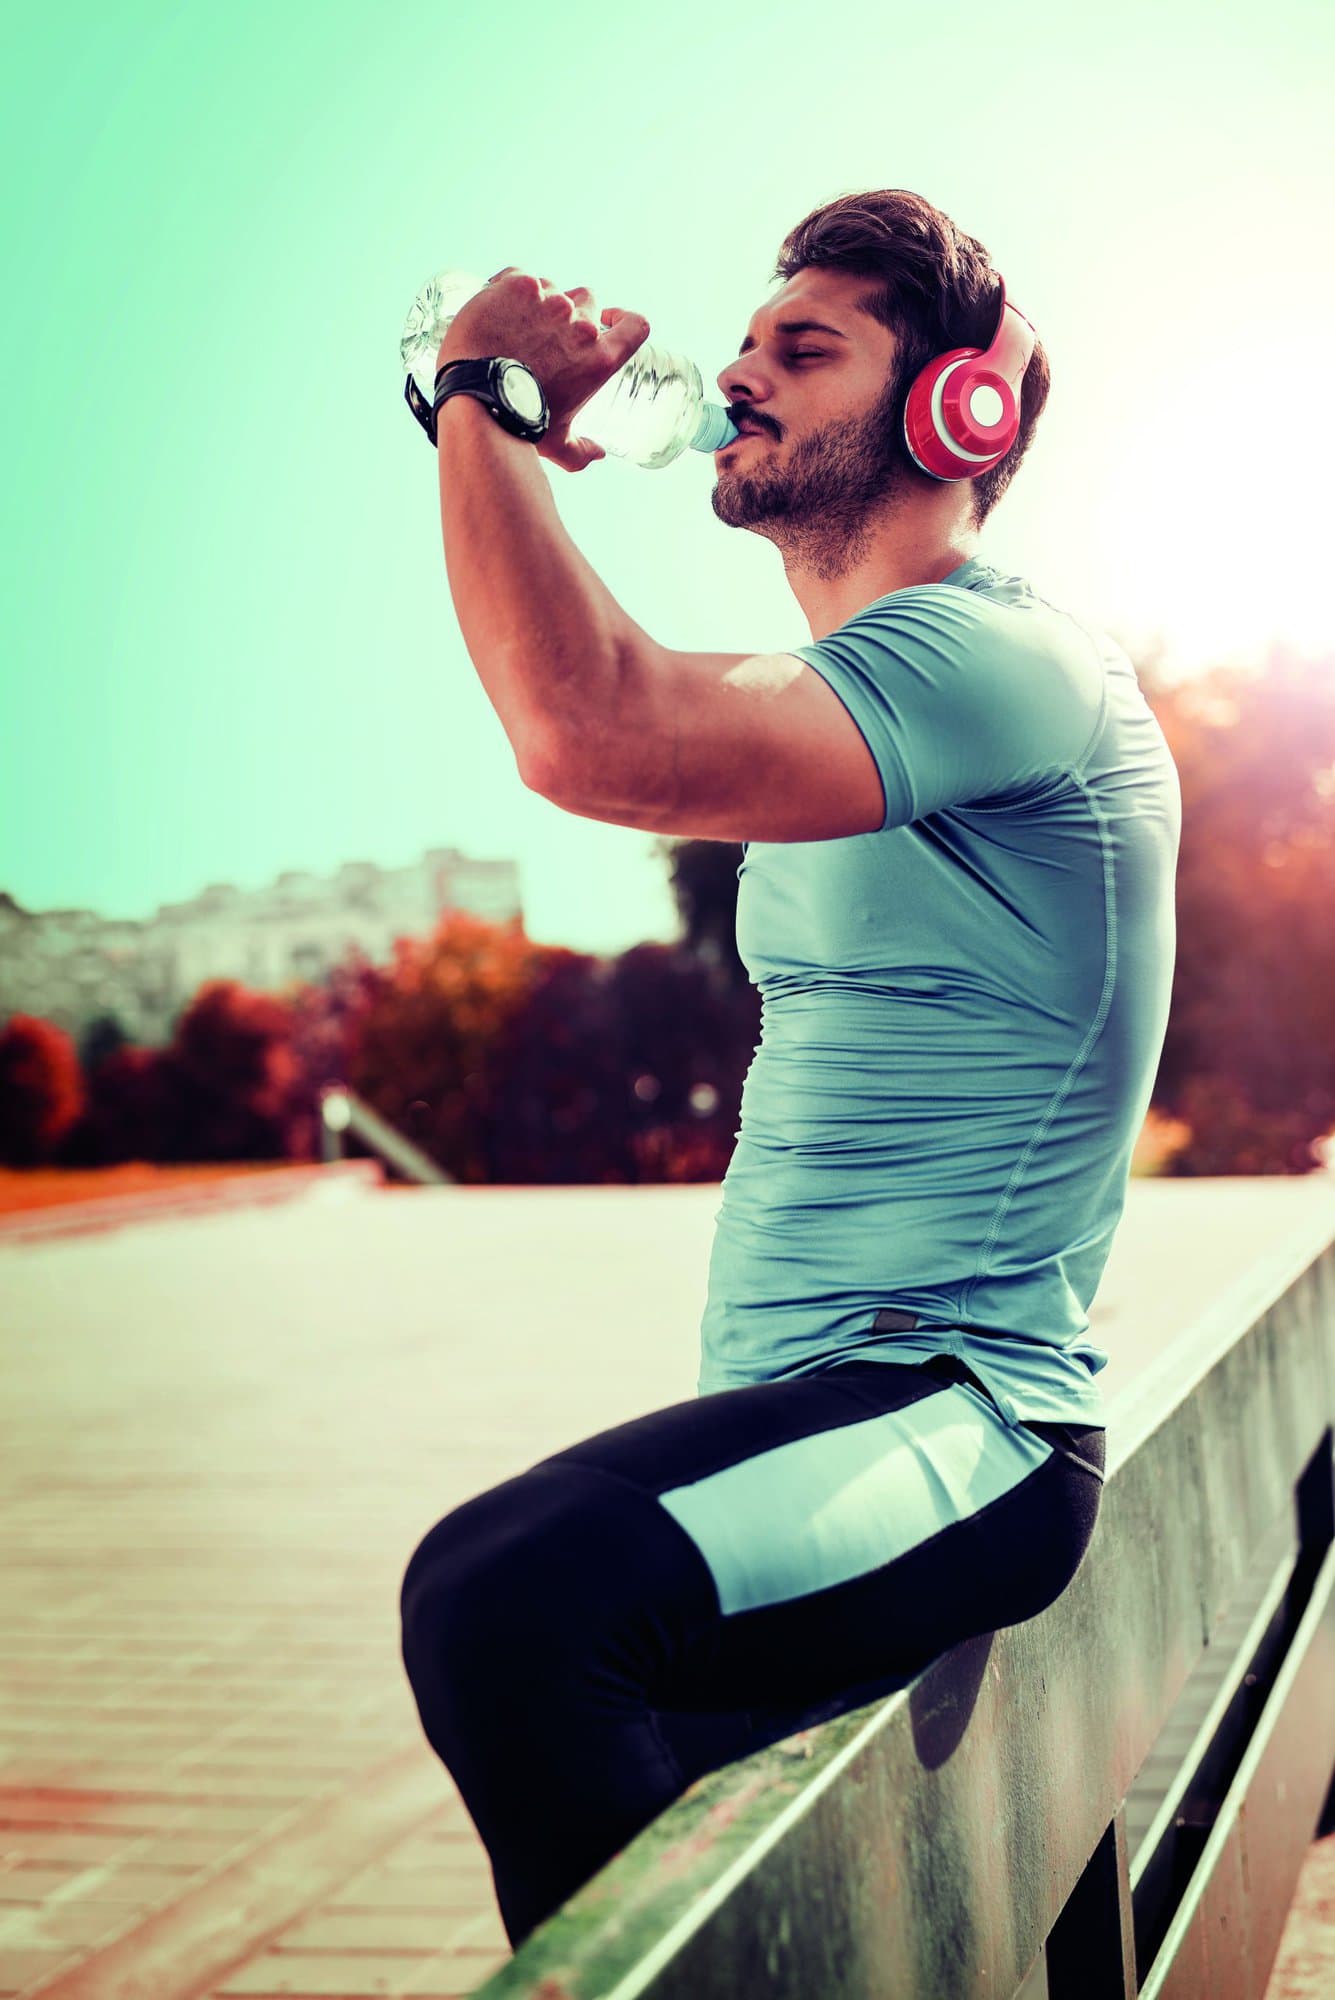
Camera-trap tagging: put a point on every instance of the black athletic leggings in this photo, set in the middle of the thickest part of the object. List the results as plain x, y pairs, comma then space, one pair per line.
587, 1639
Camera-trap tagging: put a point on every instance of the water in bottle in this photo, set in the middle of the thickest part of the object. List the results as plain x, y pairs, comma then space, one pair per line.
650, 411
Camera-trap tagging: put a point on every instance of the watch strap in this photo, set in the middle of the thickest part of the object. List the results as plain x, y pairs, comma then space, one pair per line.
480, 378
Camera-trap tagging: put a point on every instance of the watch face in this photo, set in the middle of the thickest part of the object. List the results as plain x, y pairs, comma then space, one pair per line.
521, 390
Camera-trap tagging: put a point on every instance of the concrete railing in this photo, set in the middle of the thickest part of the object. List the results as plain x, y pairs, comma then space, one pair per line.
1112, 1799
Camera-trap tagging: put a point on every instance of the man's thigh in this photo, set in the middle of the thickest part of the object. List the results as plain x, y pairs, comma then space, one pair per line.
849, 1527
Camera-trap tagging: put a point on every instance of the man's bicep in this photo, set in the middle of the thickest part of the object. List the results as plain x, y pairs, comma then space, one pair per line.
724, 746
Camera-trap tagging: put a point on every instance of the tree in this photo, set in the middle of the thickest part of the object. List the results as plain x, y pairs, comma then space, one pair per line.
1249, 1057
554, 1080
41, 1090
689, 1034
100, 1039
326, 1018
704, 879
139, 1108
420, 1056
233, 1048
220, 1091
621, 1071
515, 1063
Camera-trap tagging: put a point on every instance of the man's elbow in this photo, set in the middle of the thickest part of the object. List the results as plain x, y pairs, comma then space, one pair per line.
611, 763
544, 756
536, 767
559, 773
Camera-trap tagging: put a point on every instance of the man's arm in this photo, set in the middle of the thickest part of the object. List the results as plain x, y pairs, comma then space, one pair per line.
606, 723
548, 639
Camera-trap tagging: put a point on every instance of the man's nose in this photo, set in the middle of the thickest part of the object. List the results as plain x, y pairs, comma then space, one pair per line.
739, 384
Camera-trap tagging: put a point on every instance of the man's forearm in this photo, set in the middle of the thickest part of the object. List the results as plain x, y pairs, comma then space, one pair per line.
547, 637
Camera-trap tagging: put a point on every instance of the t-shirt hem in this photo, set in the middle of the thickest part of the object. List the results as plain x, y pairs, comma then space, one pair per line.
1081, 1404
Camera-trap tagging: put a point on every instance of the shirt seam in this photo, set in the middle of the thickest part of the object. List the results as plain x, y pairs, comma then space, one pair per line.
1079, 771
1076, 1064
906, 780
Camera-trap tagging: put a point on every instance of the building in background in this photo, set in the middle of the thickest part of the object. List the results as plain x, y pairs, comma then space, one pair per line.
69, 966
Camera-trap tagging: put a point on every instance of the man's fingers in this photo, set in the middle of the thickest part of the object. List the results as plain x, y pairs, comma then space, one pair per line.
573, 454
625, 330
617, 316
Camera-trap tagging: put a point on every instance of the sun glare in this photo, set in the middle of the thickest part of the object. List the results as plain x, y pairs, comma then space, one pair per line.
1215, 537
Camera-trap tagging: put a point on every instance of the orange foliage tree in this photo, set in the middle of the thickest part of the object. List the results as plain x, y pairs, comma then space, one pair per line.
419, 1055
233, 1049
137, 1109
220, 1091
512, 1062
622, 1070
41, 1090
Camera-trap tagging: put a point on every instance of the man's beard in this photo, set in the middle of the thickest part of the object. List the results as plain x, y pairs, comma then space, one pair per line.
820, 506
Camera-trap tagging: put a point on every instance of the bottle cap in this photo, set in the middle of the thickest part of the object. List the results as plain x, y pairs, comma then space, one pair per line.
716, 429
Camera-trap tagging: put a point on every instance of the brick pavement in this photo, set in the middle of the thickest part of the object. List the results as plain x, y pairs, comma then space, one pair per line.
222, 1439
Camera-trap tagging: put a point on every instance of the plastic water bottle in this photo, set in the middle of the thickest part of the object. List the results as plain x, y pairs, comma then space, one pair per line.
650, 411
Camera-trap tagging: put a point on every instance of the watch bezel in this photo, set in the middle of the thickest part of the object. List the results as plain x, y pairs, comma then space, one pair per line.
502, 364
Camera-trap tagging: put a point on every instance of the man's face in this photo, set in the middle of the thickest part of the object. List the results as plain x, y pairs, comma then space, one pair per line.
826, 461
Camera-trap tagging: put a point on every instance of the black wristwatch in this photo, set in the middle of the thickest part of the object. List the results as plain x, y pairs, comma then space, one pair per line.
509, 388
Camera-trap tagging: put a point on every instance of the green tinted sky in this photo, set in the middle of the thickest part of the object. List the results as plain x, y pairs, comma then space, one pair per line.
231, 647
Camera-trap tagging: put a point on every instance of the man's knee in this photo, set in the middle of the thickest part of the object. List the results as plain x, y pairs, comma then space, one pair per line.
496, 1568
456, 1568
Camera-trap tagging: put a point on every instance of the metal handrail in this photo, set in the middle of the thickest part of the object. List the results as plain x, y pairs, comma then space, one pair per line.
341, 1110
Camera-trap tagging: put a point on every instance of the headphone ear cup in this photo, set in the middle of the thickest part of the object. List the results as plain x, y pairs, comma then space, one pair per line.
942, 438
930, 450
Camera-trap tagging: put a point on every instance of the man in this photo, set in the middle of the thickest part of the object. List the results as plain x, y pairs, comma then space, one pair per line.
960, 825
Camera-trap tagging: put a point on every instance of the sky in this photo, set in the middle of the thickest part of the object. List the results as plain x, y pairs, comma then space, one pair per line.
230, 646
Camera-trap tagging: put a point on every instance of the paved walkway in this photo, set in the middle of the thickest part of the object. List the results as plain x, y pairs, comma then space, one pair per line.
222, 1438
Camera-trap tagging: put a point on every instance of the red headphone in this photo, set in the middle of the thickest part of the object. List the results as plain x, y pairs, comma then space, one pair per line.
963, 410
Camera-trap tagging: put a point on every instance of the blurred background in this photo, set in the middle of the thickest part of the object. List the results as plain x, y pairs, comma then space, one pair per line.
260, 828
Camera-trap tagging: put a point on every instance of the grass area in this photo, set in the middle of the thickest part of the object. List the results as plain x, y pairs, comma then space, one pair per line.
46, 1187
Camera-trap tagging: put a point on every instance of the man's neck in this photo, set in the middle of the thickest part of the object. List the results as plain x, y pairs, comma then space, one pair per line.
829, 602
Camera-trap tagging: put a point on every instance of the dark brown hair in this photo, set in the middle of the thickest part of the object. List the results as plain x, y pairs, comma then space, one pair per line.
936, 290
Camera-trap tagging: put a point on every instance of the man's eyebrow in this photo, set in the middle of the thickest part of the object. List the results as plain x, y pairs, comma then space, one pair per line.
796, 326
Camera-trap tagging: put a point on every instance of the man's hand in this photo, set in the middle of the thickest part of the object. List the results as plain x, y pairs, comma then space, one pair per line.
556, 335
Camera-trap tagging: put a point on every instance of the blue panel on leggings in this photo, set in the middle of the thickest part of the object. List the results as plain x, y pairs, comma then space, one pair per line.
835, 1505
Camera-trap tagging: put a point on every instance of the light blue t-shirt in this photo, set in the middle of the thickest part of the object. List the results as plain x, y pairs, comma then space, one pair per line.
962, 1013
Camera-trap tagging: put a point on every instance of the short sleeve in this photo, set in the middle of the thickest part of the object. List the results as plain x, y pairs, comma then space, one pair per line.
962, 699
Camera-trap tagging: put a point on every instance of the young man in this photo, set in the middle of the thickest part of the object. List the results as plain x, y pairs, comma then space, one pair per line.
960, 823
